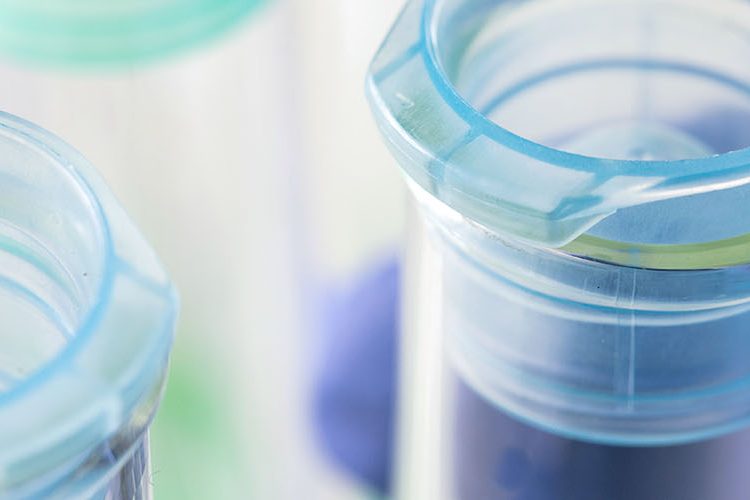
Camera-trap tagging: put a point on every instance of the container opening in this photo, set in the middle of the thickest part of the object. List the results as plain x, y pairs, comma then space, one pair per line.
616, 79
51, 257
659, 81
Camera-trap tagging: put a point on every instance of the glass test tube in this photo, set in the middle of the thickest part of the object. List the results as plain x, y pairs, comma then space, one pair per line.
577, 289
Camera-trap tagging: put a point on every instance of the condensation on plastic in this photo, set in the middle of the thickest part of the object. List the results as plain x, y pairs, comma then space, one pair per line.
88, 321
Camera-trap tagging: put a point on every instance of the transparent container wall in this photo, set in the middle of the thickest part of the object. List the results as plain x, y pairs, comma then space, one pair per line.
351, 201
615, 366
622, 80
518, 386
194, 143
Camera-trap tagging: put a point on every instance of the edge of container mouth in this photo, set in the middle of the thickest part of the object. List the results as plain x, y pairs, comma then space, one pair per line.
116, 32
496, 132
552, 198
66, 158
697, 256
106, 382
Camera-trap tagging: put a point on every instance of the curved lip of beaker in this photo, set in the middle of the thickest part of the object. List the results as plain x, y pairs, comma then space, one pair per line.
66, 157
709, 169
650, 168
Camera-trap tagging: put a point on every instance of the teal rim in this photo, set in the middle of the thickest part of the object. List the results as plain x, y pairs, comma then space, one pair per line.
112, 32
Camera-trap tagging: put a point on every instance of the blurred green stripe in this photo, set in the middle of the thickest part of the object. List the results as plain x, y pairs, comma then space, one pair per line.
111, 37
196, 448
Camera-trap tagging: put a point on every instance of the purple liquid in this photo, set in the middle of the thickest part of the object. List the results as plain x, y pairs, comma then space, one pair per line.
354, 391
500, 458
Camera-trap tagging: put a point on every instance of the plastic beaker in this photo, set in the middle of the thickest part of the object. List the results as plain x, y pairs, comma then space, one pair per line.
88, 317
577, 280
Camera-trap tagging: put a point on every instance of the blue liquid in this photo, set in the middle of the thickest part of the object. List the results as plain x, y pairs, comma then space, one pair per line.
500, 458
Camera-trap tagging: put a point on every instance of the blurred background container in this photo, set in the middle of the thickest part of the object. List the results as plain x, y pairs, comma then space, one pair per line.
236, 134
352, 204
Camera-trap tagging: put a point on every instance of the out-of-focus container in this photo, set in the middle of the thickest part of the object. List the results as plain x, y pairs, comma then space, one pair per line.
351, 203
229, 132
88, 317
577, 288
182, 105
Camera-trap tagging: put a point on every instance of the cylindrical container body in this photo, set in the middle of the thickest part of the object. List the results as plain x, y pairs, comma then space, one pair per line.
88, 320
184, 106
577, 289
539, 375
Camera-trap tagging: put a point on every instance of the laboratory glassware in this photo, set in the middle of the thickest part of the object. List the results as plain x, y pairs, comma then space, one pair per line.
577, 293
88, 316
179, 104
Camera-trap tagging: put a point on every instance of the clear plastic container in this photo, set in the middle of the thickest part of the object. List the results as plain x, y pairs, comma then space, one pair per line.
188, 108
179, 104
577, 283
88, 320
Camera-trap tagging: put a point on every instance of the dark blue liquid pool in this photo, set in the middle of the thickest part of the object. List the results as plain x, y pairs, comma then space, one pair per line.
499, 458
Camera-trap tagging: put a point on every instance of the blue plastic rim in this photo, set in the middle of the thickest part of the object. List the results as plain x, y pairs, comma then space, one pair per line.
89, 315
543, 195
91, 32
